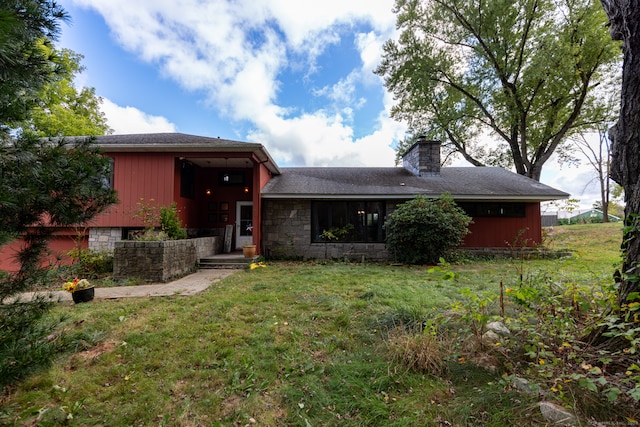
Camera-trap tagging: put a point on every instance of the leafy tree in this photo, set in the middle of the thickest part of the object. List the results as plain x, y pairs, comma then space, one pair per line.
64, 110
27, 28
624, 19
523, 71
423, 230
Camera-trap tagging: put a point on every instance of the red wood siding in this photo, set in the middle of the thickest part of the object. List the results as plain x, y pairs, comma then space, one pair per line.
58, 246
500, 232
139, 175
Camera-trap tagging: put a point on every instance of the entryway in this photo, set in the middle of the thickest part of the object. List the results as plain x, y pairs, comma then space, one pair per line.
244, 224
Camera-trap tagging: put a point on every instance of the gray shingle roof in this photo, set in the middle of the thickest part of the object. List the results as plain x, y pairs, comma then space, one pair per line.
174, 140
463, 183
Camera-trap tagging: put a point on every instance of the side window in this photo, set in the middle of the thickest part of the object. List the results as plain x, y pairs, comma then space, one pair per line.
187, 180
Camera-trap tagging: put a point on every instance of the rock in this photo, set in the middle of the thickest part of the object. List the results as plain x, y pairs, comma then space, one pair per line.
556, 414
499, 328
524, 386
490, 338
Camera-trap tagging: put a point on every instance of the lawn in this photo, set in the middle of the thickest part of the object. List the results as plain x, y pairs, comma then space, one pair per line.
292, 344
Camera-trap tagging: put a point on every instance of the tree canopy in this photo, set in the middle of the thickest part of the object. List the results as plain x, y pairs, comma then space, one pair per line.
27, 29
522, 72
63, 110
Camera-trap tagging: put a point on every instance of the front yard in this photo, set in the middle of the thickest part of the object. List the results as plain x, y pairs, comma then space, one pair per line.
303, 344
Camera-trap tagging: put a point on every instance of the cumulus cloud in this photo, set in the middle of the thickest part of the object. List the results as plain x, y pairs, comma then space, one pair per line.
124, 120
237, 52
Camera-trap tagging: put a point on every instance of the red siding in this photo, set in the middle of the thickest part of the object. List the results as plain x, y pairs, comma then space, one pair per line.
58, 246
139, 175
494, 232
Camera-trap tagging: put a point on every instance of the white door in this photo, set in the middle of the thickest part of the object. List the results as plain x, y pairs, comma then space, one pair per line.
244, 224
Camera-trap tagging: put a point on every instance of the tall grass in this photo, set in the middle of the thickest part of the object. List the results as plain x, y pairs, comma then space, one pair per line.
293, 344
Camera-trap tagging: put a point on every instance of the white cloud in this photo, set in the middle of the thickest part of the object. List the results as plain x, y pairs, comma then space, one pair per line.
124, 120
237, 51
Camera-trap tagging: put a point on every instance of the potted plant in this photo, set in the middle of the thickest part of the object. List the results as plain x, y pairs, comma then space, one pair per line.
249, 250
81, 290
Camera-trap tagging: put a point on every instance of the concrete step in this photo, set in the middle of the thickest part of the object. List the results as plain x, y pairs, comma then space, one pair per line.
227, 261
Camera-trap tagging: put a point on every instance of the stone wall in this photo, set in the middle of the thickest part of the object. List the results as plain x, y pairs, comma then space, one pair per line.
159, 261
286, 233
103, 239
208, 246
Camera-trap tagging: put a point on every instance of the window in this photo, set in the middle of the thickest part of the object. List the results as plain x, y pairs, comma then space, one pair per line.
504, 209
187, 180
360, 221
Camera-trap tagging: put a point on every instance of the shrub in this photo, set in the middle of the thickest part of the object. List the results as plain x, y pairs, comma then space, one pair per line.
422, 230
166, 216
91, 264
170, 222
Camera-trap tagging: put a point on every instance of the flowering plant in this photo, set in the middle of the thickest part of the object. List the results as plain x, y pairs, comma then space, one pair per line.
76, 285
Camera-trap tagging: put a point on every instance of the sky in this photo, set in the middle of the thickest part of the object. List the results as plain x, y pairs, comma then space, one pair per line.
295, 76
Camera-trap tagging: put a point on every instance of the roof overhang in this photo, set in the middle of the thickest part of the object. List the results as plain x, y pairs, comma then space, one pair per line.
182, 145
461, 197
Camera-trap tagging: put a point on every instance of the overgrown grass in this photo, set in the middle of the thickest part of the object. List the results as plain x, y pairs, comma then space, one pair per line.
292, 344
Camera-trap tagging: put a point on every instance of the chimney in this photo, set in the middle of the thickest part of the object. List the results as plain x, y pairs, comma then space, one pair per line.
423, 158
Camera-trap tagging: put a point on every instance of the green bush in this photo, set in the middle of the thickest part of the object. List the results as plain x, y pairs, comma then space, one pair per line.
170, 222
422, 230
90, 264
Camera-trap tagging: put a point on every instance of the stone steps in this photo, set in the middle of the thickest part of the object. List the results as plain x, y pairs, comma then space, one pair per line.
224, 261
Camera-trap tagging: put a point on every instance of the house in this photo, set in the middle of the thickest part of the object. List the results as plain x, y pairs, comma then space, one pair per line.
589, 216
220, 184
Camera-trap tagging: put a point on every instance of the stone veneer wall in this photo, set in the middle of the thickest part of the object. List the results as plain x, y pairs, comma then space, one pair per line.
159, 261
103, 239
286, 232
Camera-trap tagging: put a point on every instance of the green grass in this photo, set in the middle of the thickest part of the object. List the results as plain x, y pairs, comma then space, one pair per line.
293, 344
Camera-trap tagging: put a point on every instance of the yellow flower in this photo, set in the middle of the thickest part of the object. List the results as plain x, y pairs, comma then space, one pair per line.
76, 284
255, 265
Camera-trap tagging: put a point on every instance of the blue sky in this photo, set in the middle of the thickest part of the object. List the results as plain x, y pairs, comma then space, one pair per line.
296, 76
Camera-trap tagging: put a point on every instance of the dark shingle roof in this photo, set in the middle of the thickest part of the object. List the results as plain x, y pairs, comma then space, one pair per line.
149, 141
181, 143
468, 183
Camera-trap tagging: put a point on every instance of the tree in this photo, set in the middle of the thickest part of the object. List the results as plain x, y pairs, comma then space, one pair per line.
524, 71
423, 230
27, 28
600, 159
624, 19
45, 185
62, 110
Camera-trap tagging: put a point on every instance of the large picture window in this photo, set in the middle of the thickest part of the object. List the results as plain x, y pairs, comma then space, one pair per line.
505, 209
354, 221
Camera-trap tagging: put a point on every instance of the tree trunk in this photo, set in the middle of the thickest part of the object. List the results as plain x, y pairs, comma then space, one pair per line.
624, 17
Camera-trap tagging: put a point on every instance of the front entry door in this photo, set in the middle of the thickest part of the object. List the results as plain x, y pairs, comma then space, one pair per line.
244, 224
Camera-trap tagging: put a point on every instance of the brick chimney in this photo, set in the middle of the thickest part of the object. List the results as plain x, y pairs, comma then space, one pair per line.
423, 158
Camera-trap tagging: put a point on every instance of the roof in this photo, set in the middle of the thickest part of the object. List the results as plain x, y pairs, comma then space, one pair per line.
181, 143
463, 183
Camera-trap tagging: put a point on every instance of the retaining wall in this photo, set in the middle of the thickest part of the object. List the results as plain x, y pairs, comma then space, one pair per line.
160, 261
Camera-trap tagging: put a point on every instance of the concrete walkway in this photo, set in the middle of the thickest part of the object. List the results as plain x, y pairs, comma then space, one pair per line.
185, 286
